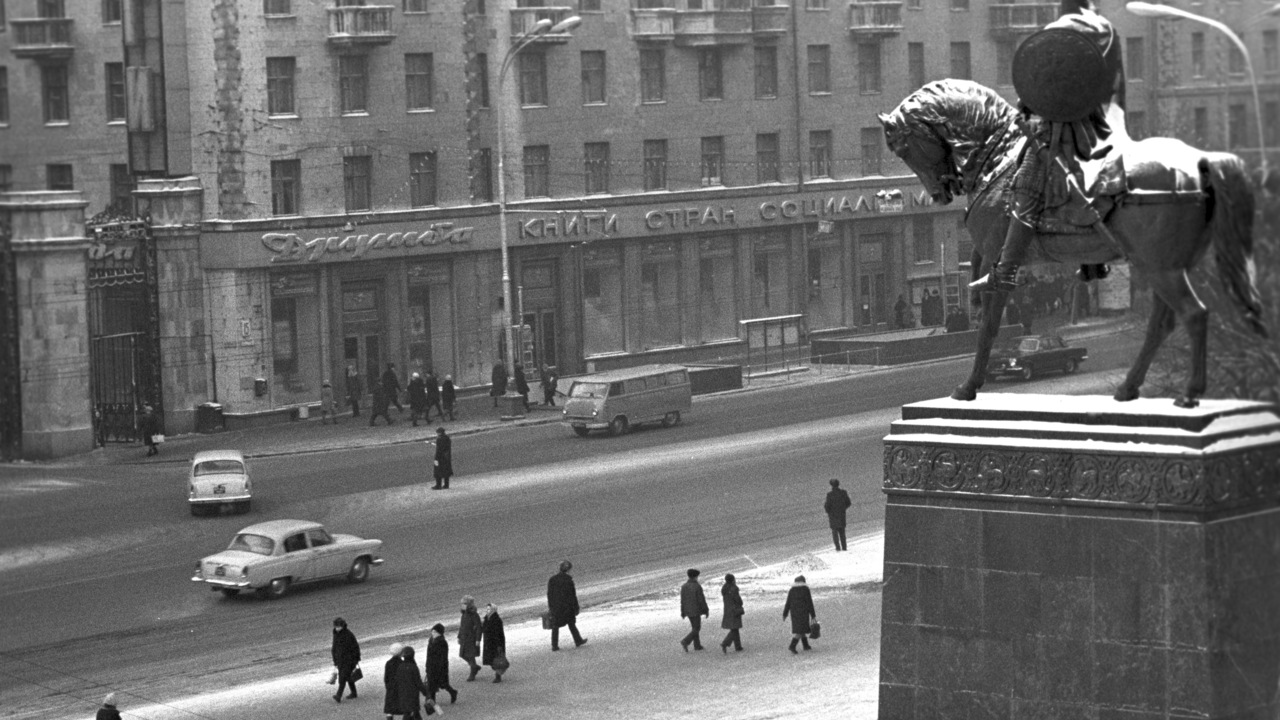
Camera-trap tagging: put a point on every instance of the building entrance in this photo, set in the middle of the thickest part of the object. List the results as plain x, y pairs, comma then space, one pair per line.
363, 336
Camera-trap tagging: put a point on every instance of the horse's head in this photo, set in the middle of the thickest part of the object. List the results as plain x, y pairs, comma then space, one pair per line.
925, 152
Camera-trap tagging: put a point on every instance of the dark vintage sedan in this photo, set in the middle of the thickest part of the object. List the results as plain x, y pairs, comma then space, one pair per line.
1031, 355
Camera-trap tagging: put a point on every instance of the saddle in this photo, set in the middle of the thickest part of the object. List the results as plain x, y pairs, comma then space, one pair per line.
1099, 180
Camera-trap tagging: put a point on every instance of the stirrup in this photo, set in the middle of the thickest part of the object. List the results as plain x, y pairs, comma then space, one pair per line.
994, 282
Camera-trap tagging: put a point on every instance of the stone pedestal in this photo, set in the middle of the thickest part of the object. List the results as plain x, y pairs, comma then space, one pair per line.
1075, 557
49, 247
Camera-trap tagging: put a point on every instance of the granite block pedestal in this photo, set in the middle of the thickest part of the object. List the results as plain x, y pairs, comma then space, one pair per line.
1075, 557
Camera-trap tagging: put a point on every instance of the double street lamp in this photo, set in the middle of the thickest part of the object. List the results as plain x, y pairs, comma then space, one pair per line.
1151, 10
512, 402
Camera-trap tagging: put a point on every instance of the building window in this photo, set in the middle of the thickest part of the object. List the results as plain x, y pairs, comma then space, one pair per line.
1237, 126
914, 4
286, 187
1135, 58
655, 164
537, 171
659, 295
595, 158
712, 161
819, 153
419, 89
533, 78
770, 280
1200, 125
717, 291
602, 321
280, 77
1270, 51
112, 11
767, 155
1271, 121
53, 86
922, 238
353, 80
422, 179
961, 68
593, 77
415, 6
710, 74
277, 7
121, 188
869, 80
960, 5
1135, 122
766, 63
819, 69
915, 64
6, 178
58, 177
1197, 54
51, 9
589, 6
872, 140
4, 95
357, 182
653, 75
816, 4
1004, 62
478, 79
1235, 59
482, 176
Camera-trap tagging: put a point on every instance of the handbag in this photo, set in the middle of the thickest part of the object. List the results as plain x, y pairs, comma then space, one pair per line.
500, 662
357, 674
546, 620
815, 630
157, 439
333, 677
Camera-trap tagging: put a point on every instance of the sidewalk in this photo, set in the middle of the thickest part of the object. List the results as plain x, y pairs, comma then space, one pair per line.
476, 414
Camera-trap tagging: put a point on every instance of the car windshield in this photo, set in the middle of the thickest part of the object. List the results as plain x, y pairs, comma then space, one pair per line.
589, 390
1029, 345
218, 467
258, 544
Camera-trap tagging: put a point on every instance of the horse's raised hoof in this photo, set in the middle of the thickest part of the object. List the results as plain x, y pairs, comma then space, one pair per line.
1187, 402
1125, 394
964, 392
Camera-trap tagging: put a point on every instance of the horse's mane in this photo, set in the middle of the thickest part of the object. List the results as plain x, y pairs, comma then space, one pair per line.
962, 112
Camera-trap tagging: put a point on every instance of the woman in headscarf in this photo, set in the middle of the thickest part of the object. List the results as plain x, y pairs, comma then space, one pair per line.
495, 642
800, 607
469, 630
733, 612
409, 686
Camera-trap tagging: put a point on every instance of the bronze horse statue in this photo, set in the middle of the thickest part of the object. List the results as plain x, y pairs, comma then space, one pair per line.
961, 138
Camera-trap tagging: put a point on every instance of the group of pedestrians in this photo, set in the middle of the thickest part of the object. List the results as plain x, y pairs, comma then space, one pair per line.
427, 392
693, 606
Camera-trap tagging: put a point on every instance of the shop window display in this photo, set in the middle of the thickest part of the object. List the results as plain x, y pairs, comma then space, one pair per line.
602, 303
769, 280
826, 282
295, 339
660, 296
717, 317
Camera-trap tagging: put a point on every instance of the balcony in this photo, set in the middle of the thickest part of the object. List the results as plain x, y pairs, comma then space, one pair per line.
653, 24
42, 38
875, 17
724, 22
770, 19
522, 19
1021, 18
360, 25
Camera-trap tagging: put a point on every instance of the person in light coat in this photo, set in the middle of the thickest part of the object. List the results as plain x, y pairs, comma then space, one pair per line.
733, 612
800, 607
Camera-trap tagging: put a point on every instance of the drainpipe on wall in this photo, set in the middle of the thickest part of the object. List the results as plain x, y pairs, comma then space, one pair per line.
795, 91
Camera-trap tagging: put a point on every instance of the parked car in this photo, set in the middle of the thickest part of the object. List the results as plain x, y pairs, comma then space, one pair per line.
273, 556
618, 400
1030, 355
218, 479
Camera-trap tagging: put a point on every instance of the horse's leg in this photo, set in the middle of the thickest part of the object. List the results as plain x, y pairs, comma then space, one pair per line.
1195, 318
1159, 325
992, 311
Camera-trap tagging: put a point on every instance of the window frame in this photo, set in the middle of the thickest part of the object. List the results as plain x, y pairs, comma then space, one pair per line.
419, 82
1135, 58
595, 86
424, 179
357, 179
710, 74
917, 75
112, 12
4, 94
961, 53
653, 77
50, 175
114, 97
282, 87
820, 154
870, 67
56, 108
537, 171
712, 161
873, 160
765, 73
277, 8
532, 71
414, 7
655, 164
818, 59
768, 159
595, 168
353, 84
479, 76
286, 187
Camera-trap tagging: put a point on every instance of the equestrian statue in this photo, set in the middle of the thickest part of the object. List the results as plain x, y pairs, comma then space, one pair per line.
1059, 179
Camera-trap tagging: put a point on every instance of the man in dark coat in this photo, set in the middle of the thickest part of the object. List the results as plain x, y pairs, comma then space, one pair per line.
149, 425
443, 466
390, 672
346, 656
800, 607
495, 640
522, 385
733, 612
417, 392
391, 386
549, 382
408, 685
837, 502
469, 629
108, 710
448, 395
438, 665
381, 405
693, 605
355, 389
499, 379
433, 395
562, 602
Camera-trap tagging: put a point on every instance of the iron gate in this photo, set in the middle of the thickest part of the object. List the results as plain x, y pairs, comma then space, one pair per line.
10, 389
124, 325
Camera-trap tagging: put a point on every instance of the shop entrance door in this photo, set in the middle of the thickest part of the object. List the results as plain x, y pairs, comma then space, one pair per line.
362, 332
539, 341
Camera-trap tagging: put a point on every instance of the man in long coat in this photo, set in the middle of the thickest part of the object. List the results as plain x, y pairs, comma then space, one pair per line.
391, 386
495, 640
390, 671
800, 607
346, 656
837, 502
438, 665
469, 630
417, 392
562, 602
733, 612
433, 395
409, 687
693, 605
443, 466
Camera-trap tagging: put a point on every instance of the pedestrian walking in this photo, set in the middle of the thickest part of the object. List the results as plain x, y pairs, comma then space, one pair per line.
355, 389
522, 385
381, 405
562, 603
469, 631
417, 392
693, 605
733, 612
328, 412
549, 382
448, 395
346, 657
149, 424
391, 386
494, 653
800, 607
438, 665
108, 710
442, 468
390, 672
498, 378
836, 503
433, 395
408, 685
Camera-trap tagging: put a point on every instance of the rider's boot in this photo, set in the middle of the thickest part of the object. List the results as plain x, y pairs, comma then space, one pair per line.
1004, 275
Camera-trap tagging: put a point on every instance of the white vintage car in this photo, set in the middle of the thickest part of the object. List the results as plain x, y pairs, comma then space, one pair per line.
219, 479
272, 556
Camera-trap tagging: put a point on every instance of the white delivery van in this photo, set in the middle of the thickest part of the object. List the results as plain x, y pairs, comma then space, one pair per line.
617, 400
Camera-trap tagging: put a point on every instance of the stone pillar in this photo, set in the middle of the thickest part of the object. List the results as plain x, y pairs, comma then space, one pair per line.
1056, 556
186, 350
49, 247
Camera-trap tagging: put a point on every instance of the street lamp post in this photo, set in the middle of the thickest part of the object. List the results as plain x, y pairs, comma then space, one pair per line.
1146, 9
512, 402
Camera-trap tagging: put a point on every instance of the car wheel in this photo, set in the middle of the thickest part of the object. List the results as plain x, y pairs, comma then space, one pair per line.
242, 507
1027, 372
275, 589
197, 510
619, 425
1070, 367
581, 431
671, 418
359, 571
229, 592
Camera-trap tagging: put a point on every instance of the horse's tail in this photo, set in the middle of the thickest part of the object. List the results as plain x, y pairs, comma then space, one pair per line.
1230, 208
